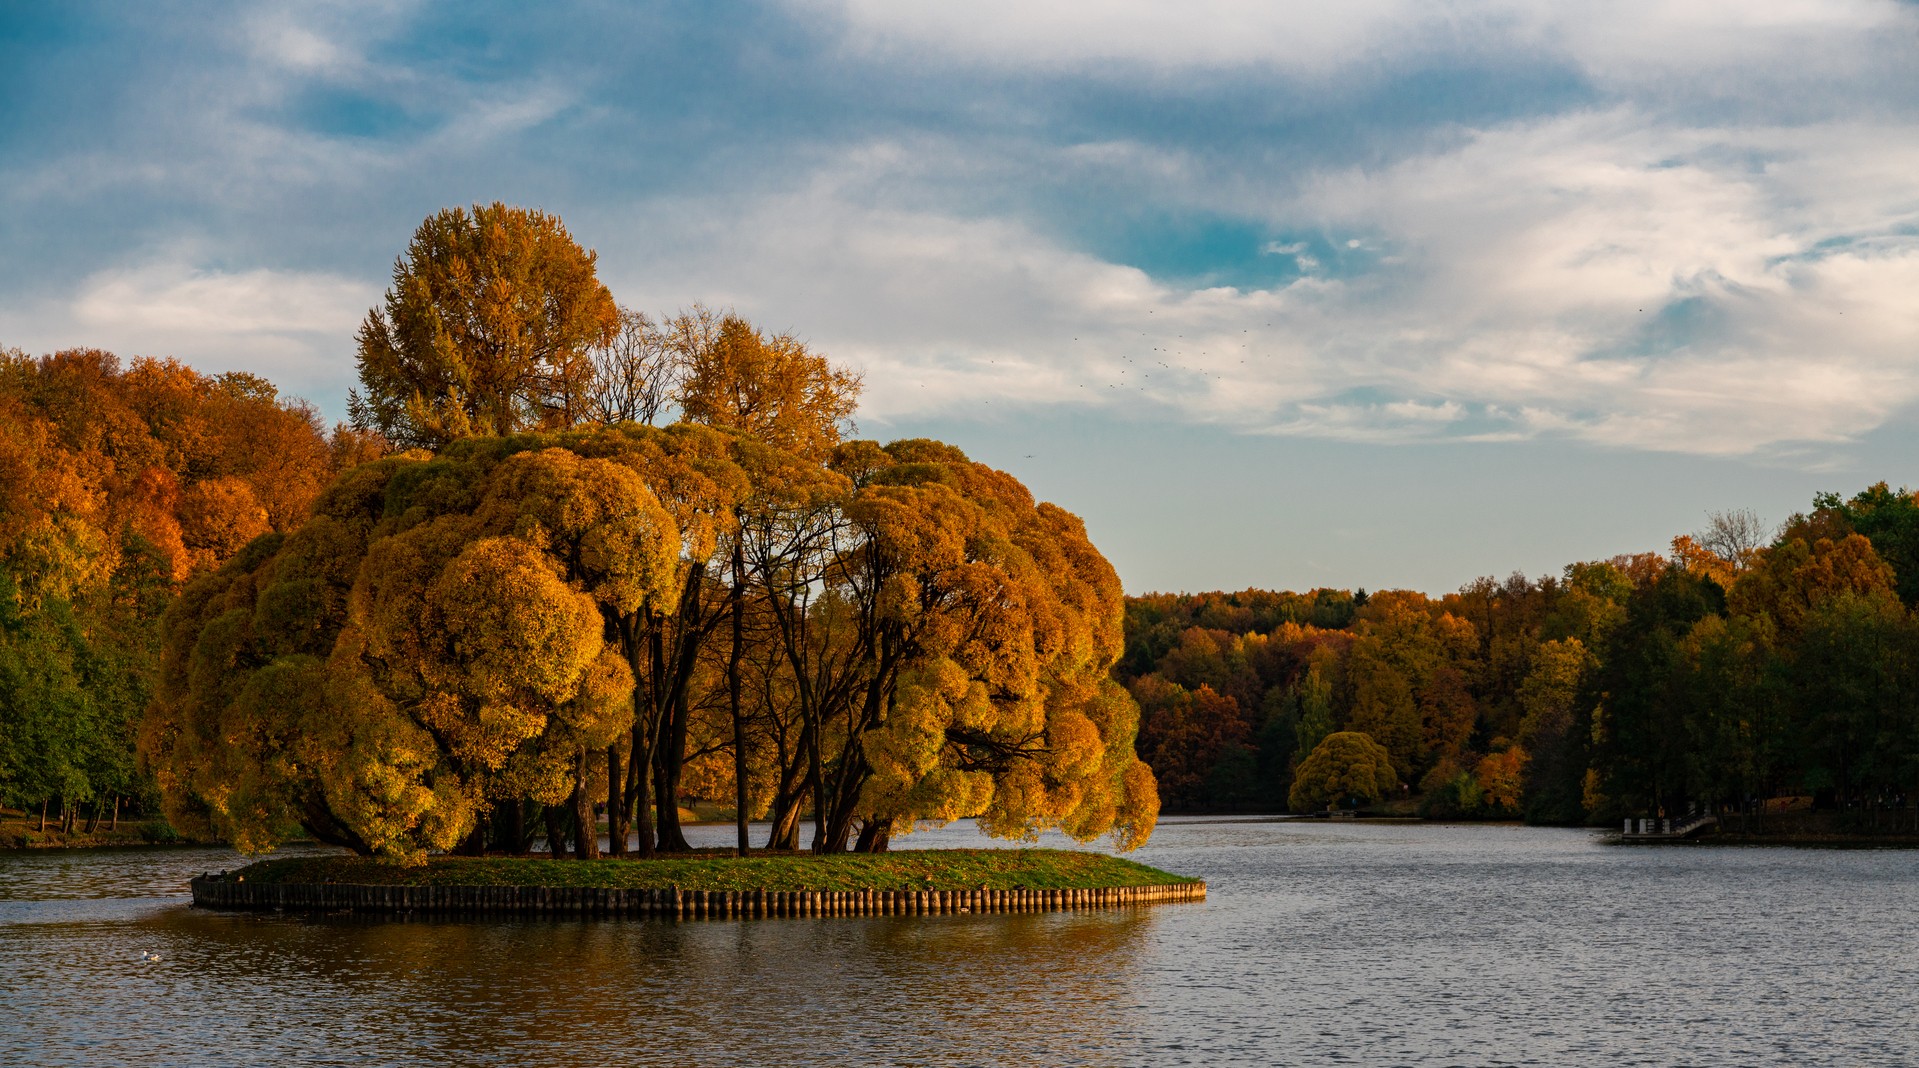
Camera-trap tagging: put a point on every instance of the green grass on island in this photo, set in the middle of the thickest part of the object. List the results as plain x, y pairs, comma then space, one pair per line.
907, 869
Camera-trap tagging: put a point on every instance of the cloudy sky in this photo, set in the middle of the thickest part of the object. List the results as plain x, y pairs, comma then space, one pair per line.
1376, 293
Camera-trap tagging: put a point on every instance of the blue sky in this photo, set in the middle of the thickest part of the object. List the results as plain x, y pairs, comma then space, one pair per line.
1283, 294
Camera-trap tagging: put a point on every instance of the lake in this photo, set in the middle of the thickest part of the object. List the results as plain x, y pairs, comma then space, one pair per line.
1321, 943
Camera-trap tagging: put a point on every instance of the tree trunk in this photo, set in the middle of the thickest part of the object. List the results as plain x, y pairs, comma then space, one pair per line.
785, 833
839, 823
43, 816
555, 832
789, 795
639, 767
669, 763
586, 844
93, 821
645, 655
474, 844
874, 837
837, 810
520, 841
615, 803
324, 826
115, 825
733, 696
669, 757
816, 784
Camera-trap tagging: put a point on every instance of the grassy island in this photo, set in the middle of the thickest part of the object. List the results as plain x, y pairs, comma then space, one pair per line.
907, 869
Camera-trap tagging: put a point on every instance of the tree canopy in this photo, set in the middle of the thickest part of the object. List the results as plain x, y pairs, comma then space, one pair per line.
118, 481
1740, 666
527, 620
488, 328
1347, 768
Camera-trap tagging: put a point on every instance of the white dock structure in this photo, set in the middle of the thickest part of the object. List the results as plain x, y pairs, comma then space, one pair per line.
1656, 829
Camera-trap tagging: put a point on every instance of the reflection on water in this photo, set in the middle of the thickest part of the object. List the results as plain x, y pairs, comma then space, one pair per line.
1320, 943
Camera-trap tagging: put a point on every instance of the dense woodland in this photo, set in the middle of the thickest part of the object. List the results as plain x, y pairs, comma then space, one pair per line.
118, 482
572, 562
520, 605
1744, 666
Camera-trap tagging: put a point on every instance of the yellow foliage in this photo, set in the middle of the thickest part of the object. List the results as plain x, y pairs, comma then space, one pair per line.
453, 630
1347, 766
1007, 713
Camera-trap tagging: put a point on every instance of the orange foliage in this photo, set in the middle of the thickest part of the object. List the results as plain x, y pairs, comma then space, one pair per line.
194, 465
1502, 780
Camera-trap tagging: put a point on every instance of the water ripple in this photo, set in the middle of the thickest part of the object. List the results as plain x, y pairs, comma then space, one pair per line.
1342, 944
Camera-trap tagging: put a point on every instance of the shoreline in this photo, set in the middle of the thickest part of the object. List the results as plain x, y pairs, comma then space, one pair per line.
1796, 841
145, 835
909, 882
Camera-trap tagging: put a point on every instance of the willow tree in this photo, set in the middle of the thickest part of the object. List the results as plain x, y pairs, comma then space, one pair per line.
955, 659
533, 618
432, 641
490, 328
1347, 768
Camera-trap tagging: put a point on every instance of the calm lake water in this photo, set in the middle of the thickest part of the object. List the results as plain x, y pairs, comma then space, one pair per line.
1322, 943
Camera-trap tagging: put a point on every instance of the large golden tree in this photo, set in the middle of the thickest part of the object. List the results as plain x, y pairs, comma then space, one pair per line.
488, 329
537, 619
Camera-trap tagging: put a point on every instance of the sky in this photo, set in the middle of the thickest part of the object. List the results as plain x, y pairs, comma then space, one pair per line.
1383, 294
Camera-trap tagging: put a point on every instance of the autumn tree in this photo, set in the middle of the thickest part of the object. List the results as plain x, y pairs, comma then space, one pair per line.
431, 643
532, 619
770, 387
989, 625
489, 328
118, 480
1409, 691
636, 371
791, 402
1555, 730
1636, 722
1501, 780
1184, 734
1347, 769
1890, 520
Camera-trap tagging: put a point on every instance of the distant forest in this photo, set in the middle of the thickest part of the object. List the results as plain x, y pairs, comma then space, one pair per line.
1746, 665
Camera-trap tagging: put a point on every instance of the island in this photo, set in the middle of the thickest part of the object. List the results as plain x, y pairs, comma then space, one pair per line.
705, 885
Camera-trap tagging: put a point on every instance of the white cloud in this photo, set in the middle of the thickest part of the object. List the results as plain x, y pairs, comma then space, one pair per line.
1010, 32
1541, 258
1713, 291
296, 328
1633, 40
1686, 264
327, 39
175, 298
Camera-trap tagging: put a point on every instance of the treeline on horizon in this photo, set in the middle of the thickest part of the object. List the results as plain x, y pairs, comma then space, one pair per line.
1743, 665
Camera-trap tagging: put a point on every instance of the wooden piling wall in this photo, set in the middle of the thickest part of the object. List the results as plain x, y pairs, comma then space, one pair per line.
221, 892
